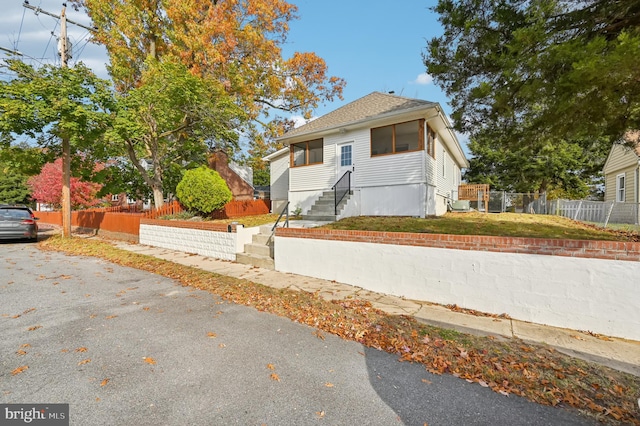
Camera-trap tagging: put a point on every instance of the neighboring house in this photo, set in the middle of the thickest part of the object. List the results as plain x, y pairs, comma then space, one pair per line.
622, 172
279, 178
400, 156
238, 178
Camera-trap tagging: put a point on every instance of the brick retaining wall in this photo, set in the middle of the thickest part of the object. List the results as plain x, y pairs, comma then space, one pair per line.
613, 250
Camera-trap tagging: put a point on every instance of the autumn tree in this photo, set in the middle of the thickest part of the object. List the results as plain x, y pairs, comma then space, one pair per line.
261, 144
67, 107
46, 187
23, 158
524, 76
171, 120
237, 43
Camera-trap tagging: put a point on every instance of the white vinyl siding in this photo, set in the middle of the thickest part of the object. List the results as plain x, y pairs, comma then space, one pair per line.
315, 176
448, 173
386, 170
279, 171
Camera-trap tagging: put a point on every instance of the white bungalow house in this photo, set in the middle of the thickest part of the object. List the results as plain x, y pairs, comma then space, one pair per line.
622, 178
381, 155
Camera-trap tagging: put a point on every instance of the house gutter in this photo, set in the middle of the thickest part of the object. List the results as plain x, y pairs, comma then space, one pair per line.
462, 159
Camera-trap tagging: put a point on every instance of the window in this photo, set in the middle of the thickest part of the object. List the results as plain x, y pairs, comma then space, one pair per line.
345, 156
115, 197
620, 196
305, 153
431, 142
444, 163
396, 138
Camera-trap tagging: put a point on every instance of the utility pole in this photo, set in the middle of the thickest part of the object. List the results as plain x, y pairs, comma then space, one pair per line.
66, 146
64, 48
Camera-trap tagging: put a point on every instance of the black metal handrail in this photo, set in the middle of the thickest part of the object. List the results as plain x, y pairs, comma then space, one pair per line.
341, 188
285, 212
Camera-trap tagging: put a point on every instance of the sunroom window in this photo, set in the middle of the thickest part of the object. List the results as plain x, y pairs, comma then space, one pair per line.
397, 138
306, 153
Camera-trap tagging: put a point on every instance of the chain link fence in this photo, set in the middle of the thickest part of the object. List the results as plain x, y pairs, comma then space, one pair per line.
513, 202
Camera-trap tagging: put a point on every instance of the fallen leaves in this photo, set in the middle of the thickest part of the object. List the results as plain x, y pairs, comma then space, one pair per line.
149, 360
84, 361
33, 328
273, 376
212, 335
104, 382
23, 313
19, 370
505, 366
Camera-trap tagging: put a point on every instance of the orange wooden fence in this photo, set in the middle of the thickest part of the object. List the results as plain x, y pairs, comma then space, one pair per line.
123, 221
97, 219
242, 208
166, 210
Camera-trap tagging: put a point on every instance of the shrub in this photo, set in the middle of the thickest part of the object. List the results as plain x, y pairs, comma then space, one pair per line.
203, 190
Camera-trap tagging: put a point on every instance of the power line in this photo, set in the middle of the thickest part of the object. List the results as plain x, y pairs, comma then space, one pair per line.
38, 10
24, 12
13, 52
59, 18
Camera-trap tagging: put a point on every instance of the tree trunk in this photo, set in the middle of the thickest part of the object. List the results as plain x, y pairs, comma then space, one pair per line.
66, 188
158, 197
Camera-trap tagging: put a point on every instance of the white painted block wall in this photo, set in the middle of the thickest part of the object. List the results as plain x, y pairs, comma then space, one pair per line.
219, 245
597, 295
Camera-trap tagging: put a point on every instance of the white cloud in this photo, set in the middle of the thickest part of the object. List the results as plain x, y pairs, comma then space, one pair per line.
300, 121
423, 79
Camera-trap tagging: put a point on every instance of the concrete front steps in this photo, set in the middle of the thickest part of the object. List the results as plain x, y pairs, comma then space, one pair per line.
260, 251
324, 208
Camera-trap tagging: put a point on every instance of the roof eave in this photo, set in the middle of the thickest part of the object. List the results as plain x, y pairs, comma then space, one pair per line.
461, 157
275, 154
353, 124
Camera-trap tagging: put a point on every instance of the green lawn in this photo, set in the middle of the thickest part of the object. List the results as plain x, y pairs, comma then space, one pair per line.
495, 224
471, 223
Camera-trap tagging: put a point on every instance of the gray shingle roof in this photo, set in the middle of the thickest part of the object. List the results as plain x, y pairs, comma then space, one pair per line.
369, 107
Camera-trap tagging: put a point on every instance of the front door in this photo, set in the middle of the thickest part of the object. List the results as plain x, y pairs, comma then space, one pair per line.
345, 160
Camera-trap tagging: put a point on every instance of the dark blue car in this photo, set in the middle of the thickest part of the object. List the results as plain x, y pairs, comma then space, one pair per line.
17, 223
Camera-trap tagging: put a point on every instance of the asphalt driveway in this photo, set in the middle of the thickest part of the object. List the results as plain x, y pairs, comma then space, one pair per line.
124, 347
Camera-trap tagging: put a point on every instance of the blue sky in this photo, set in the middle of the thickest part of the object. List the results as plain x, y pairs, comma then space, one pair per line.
374, 45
